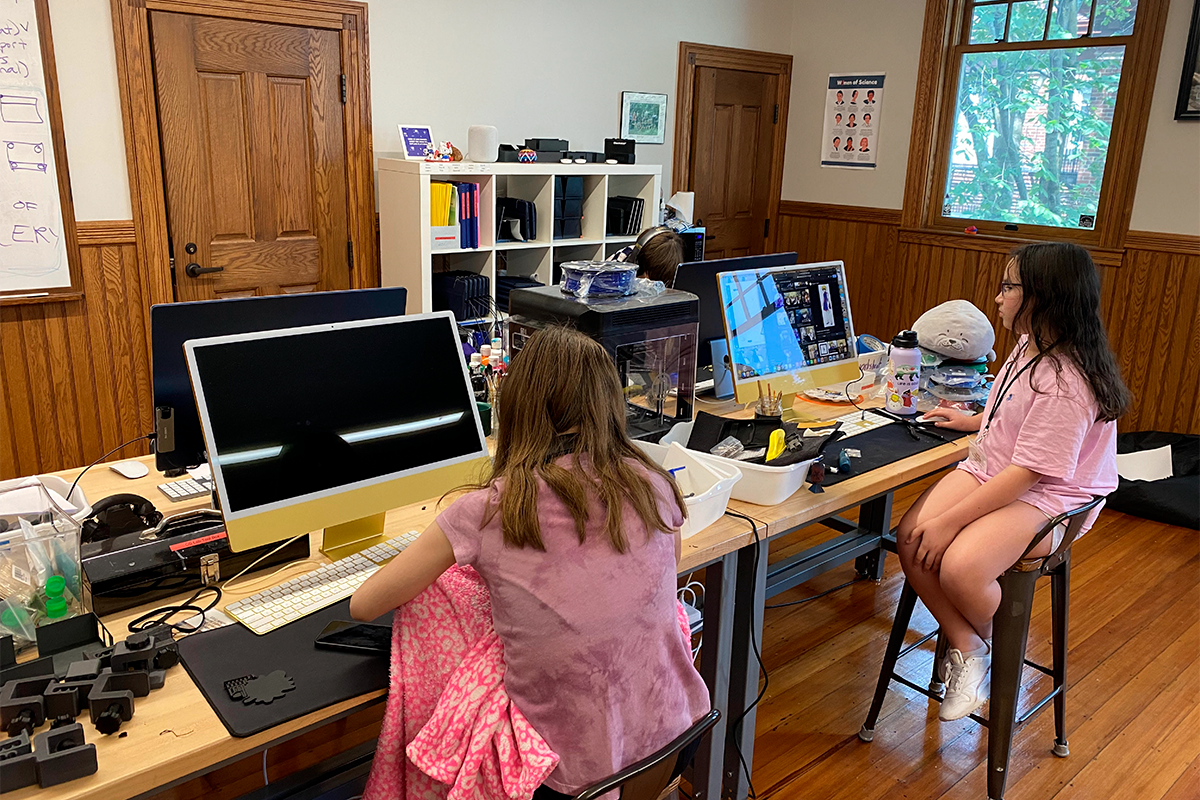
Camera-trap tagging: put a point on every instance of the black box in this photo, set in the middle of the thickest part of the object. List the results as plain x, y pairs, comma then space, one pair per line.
572, 208
508, 153
586, 156
549, 156
693, 245
619, 150
568, 185
557, 145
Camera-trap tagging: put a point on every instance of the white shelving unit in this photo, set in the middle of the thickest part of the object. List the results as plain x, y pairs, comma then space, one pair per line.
408, 259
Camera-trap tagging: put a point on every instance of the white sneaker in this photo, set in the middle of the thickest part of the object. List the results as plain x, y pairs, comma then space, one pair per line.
966, 685
943, 667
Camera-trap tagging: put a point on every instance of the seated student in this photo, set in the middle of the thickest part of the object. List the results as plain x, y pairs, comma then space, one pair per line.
657, 257
576, 534
1046, 444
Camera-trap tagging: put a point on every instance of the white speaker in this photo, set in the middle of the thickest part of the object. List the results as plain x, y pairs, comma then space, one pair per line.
483, 143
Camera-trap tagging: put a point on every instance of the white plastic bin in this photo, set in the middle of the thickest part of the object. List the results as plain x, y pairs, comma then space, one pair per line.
761, 485
709, 484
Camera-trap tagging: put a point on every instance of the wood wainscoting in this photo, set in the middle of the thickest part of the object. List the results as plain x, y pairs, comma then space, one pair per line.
76, 374
1151, 295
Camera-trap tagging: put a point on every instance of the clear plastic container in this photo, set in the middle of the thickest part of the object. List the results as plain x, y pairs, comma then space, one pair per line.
760, 484
39, 563
706, 486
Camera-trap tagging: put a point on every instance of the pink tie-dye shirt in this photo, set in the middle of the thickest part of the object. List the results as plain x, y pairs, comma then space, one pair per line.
591, 639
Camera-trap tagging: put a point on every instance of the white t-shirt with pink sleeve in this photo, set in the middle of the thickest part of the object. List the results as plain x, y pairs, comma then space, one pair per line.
1047, 421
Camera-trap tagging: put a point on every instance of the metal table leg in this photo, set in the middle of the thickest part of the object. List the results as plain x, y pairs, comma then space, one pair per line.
715, 655
874, 518
744, 670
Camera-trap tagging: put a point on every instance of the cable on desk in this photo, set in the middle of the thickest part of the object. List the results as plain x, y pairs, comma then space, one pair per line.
151, 436
737, 723
256, 561
856, 579
162, 616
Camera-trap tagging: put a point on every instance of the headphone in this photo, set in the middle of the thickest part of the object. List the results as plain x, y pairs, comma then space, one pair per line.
119, 514
644, 239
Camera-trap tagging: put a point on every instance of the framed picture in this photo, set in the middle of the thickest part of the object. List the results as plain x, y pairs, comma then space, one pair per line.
417, 140
644, 117
1188, 105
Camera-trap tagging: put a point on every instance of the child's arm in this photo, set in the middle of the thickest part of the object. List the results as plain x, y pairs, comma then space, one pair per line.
936, 534
405, 576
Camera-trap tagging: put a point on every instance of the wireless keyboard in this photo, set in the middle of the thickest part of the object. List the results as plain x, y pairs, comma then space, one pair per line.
857, 422
295, 599
185, 489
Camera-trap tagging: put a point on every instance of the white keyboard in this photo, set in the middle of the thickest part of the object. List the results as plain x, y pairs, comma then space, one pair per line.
292, 600
185, 489
857, 422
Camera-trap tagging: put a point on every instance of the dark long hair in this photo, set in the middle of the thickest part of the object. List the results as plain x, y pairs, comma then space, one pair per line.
1060, 309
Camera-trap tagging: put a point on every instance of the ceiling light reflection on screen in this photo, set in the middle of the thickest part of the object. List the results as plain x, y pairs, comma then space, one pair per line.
246, 456
400, 428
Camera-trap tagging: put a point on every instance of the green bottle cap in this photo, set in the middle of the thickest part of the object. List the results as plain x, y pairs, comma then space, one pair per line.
10, 620
56, 607
55, 585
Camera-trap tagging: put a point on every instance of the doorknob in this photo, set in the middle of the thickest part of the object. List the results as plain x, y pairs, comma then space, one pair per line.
194, 270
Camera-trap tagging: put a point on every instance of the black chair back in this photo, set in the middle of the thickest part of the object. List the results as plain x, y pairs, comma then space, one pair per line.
649, 778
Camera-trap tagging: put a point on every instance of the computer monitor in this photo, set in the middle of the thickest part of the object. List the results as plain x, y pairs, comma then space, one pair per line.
179, 444
700, 279
330, 426
789, 327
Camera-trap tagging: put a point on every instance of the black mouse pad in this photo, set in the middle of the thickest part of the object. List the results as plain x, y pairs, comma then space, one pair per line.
321, 677
881, 446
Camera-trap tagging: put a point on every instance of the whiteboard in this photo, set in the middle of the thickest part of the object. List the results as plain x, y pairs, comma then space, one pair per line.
33, 239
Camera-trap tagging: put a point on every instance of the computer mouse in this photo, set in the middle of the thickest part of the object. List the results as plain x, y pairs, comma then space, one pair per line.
130, 469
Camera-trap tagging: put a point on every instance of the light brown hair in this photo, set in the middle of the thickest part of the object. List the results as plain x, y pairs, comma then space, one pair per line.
562, 382
659, 258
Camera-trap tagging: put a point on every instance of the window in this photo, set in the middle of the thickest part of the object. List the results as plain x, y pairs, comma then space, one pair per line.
1033, 88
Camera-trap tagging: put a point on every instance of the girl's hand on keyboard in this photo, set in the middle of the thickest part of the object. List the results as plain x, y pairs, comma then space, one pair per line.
953, 419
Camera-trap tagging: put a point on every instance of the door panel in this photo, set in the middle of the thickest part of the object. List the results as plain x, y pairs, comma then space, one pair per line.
253, 152
733, 141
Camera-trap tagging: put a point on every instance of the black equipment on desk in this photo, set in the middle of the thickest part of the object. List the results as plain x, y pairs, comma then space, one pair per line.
652, 340
181, 553
179, 443
118, 514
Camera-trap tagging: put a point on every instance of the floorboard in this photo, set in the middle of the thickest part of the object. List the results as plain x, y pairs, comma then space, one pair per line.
1133, 705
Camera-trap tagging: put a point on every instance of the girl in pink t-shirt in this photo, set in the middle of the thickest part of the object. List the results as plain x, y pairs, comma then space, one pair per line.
1046, 443
576, 534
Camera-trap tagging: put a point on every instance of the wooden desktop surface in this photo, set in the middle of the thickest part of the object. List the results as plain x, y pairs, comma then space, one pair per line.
174, 734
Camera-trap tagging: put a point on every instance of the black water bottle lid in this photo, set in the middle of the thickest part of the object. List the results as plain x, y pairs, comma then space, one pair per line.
905, 339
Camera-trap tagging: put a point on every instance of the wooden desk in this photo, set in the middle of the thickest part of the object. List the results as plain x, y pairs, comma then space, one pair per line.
175, 735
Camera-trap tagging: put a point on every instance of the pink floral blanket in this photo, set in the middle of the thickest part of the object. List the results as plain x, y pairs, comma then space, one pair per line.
450, 731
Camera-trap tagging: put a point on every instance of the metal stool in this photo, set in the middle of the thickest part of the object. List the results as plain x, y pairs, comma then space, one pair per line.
1010, 632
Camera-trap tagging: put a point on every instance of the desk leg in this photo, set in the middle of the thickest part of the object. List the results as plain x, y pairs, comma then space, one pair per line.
874, 517
715, 654
744, 672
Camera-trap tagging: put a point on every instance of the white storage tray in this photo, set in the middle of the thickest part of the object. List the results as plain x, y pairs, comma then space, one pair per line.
709, 484
761, 485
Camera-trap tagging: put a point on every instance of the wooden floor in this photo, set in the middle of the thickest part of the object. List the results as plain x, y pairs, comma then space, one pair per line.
1133, 707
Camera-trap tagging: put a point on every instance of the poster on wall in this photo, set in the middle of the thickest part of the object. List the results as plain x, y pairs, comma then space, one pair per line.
852, 111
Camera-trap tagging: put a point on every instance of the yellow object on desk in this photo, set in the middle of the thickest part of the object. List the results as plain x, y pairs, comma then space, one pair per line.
776, 446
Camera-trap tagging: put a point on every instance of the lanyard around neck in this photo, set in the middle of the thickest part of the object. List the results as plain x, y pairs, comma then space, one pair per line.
1006, 382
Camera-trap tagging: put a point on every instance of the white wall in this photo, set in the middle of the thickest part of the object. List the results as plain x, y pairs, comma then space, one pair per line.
91, 108
887, 40
545, 68
537, 68
1168, 194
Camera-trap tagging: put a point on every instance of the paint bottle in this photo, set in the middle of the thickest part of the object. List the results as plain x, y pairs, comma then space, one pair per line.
904, 374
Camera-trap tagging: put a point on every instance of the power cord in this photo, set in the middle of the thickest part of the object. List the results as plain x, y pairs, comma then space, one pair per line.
737, 723
856, 579
162, 616
151, 436
256, 561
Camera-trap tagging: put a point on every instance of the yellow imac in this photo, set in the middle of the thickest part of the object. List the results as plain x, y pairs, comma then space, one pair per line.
789, 327
329, 426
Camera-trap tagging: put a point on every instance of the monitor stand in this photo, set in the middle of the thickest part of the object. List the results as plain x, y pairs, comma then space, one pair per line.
348, 538
722, 376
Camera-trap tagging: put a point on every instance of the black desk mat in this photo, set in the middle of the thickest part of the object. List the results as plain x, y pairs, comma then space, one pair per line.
881, 446
323, 677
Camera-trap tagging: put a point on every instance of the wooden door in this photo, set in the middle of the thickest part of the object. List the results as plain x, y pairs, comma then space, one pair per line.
733, 139
250, 117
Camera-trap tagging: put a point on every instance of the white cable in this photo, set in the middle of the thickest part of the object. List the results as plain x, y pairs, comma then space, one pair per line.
256, 561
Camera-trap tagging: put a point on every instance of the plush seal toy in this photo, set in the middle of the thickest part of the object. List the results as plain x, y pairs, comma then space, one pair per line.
956, 329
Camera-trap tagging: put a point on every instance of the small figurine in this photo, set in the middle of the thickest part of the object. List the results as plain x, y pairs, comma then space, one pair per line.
527, 156
444, 152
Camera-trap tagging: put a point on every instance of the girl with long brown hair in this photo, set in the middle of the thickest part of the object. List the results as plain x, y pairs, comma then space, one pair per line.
576, 534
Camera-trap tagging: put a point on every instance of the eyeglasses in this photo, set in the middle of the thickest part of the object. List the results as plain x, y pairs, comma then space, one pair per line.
1008, 286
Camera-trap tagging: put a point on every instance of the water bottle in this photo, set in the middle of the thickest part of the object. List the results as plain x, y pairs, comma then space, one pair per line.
904, 374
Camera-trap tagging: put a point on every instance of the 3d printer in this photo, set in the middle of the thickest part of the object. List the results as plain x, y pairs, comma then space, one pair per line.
652, 340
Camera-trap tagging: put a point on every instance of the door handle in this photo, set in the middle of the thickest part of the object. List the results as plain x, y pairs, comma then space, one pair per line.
194, 270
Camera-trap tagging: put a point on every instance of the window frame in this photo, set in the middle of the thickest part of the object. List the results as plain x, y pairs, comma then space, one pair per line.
944, 42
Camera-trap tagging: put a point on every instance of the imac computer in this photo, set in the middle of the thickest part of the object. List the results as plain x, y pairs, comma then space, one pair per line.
179, 444
700, 278
790, 327
330, 426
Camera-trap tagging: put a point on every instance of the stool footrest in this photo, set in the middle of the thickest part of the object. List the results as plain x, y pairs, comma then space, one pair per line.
1021, 720
1040, 668
916, 644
